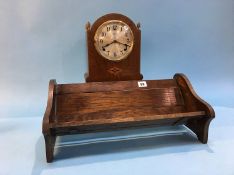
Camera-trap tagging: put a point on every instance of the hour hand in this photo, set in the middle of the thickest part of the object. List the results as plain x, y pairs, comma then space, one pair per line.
104, 47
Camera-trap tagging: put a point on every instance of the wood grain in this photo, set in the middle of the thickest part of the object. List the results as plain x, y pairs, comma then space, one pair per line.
113, 86
193, 102
105, 106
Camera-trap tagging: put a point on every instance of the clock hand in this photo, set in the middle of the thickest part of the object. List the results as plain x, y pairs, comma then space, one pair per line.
123, 44
126, 45
115, 41
104, 47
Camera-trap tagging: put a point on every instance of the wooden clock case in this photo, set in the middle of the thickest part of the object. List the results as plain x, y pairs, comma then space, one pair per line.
101, 69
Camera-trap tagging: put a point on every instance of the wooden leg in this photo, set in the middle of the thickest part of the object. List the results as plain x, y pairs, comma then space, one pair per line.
49, 145
200, 127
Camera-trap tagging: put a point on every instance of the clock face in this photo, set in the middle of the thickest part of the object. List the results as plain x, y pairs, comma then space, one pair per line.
114, 40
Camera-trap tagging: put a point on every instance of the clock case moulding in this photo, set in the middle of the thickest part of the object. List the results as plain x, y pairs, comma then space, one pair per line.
102, 69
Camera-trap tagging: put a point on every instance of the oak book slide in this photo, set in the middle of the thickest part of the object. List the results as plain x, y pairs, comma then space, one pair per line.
115, 96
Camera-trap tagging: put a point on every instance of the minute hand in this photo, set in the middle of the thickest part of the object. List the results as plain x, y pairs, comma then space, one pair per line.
123, 44
126, 45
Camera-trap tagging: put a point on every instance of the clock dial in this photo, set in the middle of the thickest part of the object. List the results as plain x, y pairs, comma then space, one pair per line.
114, 40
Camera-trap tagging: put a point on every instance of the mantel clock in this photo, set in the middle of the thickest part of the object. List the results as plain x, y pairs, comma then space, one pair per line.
113, 44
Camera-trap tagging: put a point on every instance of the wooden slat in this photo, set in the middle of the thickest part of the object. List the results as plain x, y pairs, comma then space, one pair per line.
112, 86
128, 119
115, 105
73, 129
84, 103
117, 113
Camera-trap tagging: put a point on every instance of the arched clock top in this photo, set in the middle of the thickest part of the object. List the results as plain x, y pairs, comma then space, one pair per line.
114, 16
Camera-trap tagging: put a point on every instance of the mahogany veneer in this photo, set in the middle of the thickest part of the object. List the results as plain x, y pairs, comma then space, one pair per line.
102, 106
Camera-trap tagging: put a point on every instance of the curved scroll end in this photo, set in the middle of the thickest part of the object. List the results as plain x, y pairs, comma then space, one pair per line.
138, 25
88, 26
46, 118
185, 84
